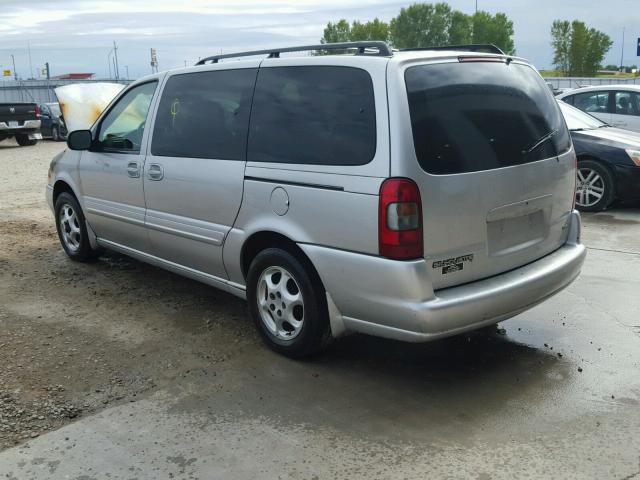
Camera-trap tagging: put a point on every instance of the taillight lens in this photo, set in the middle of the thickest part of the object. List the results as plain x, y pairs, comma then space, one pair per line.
38, 112
400, 220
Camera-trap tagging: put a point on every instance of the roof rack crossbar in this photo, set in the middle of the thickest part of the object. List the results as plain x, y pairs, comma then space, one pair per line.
363, 48
474, 47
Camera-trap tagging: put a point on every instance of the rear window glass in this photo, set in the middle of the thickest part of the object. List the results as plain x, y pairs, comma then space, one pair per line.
204, 115
319, 115
474, 116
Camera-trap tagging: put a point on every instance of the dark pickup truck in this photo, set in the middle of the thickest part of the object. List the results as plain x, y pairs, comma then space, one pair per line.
22, 121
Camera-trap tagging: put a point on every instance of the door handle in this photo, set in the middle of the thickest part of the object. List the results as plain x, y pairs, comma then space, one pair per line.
133, 169
155, 172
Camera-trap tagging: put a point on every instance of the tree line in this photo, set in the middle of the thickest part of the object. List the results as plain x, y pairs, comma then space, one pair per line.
427, 25
578, 49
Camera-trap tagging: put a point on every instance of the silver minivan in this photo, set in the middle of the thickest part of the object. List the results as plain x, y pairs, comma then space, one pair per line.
411, 195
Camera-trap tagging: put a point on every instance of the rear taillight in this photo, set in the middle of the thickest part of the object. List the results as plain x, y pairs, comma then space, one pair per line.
400, 220
575, 180
38, 111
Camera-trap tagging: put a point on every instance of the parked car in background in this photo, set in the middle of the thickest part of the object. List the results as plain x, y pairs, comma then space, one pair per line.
412, 195
617, 105
53, 125
22, 121
608, 160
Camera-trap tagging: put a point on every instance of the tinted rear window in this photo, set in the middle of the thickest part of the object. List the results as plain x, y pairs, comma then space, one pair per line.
319, 115
204, 115
474, 116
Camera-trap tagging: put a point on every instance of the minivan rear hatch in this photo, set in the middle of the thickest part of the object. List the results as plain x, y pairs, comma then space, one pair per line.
492, 158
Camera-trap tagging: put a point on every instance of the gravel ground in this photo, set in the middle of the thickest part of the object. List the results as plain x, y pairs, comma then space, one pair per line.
145, 374
75, 338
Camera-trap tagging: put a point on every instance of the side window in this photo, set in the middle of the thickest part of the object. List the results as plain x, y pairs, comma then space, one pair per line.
204, 115
592, 102
318, 115
626, 103
122, 127
568, 100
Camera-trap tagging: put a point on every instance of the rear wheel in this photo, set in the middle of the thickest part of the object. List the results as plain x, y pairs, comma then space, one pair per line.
55, 134
288, 304
72, 229
595, 188
24, 140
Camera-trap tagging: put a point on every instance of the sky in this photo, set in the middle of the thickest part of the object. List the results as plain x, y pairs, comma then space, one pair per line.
78, 35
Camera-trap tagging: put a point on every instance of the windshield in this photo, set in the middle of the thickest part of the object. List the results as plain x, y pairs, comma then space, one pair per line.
578, 120
473, 116
55, 109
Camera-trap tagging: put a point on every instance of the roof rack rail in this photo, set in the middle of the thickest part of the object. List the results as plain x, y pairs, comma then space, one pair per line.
474, 47
383, 50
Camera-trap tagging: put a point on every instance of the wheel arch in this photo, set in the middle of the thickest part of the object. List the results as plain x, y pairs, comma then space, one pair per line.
61, 186
600, 161
261, 240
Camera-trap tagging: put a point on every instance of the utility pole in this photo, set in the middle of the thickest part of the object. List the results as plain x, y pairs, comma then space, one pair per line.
476, 6
109, 62
15, 74
30, 64
115, 52
622, 55
126, 67
46, 65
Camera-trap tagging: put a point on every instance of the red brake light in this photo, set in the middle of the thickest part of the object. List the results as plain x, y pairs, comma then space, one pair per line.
400, 220
38, 111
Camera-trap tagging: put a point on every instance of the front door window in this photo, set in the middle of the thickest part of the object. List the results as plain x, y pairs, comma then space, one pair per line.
122, 128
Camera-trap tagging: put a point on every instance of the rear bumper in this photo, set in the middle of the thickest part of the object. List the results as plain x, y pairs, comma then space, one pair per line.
395, 299
28, 127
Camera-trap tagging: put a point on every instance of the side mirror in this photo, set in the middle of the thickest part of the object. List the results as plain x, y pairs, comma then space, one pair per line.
80, 140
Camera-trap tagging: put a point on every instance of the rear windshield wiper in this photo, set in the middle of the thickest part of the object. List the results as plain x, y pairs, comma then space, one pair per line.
539, 142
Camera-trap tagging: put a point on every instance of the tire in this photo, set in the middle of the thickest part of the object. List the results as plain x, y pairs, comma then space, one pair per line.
291, 315
595, 188
24, 141
55, 134
72, 229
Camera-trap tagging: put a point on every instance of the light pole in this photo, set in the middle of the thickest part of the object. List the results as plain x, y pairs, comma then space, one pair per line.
15, 74
115, 52
109, 62
126, 67
622, 54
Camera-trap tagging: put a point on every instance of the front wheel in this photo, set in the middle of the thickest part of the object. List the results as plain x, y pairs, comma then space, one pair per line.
24, 140
595, 188
288, 303
72, 229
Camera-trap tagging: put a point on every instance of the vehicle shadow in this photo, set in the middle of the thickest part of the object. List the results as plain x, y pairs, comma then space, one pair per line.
360, 383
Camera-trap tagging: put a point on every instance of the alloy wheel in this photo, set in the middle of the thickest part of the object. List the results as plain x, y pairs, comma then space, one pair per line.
280, 303
70, 227
589, 188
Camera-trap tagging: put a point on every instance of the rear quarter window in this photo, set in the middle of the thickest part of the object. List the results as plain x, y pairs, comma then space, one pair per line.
474, 116
316, 115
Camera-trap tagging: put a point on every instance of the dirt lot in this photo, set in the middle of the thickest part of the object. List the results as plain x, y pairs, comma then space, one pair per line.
60, 358
156, 376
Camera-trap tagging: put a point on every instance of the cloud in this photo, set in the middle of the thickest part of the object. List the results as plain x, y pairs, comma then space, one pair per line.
78, 35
